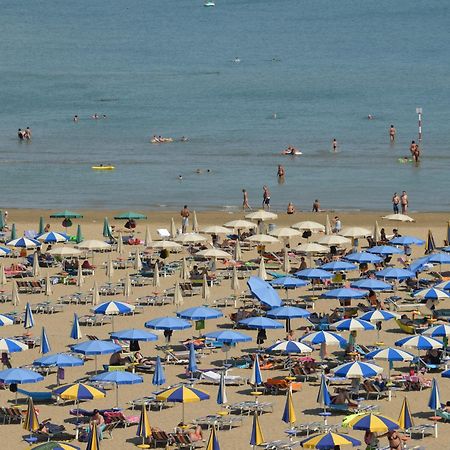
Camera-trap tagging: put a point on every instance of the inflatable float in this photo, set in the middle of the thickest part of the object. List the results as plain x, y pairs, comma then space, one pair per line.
161, 140
102, 167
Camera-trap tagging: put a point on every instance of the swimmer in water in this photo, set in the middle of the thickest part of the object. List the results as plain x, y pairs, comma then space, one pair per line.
334, 144
392, 133
75, 118
274, 115
180, 177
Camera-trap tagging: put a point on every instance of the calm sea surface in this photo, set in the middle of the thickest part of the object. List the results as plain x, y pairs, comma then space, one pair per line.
166, 67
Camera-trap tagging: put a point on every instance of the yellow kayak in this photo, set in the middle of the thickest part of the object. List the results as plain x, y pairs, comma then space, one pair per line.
103, 167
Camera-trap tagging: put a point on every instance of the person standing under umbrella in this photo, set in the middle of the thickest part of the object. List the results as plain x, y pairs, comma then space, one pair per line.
185, 213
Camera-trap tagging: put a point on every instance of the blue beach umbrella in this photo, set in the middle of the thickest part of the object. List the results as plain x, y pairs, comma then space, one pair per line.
192, 364
431, 294
159, 377
168, 323
264, 292
29, 319
443, 286
6, 320
323, 396
324, 337
289, 347
260, 322
19, 376
134, 335
378, 315
393, 273
288, 282
24, 242
58, 360
434, 403
406, 240
419, 342
96, 348
4, 251
200, 313
357, 369
314, 274
288, 312
118, 377
344, 293
113, 307
439, 258
371, 284
385, 250
144, 430
352, 324
256, 377
442, 330
12, 345
228, 337
363, 258
93, 438
337, 266
45, 344
52, 237
75, 332
222, 393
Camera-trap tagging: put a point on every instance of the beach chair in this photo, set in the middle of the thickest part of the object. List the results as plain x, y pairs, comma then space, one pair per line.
120, 418
214, 378
160, 438
372, 390
37, 396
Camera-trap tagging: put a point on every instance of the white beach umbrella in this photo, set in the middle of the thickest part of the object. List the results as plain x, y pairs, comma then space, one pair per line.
65, 251
237, 252
285, 233
94, 244
314, 227
399, 217
15, 294
190, 238
137, 261
3, 280
155, 281
54, 237
110, 268
36, 268
262, 269
235, 285
194, 222
206, 294
312, 248
178, 296
127, 289
328, 229
173, 229
95, 294
214, 253
355, 232
80, 278
148, 236
263, 239
376, 232
184, 270
120, 244
286, 263
261, 215
169, 245
215, 229
48, 286
240, 224
333, 239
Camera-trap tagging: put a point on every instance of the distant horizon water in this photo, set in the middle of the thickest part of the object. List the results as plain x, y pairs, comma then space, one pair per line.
241, 81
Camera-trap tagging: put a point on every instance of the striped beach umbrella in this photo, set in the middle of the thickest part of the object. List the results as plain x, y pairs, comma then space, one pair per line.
182, 394
52, 237
12, 345
256, 437
442, 330
75, 332
29, 319
53, 445
256, 377
289, 347
431, 294
31, 421
93, 438
24, 242
45, 344
329, 441
159, 377
378, 315
213, 442
419, 342
79, 391
222, 392
6, 320
289, 411
323, 396
405, 419
357, 369
113, 308
352, 324
390, 354
4, 251
144, 430
376, 423
434, 401
324, 337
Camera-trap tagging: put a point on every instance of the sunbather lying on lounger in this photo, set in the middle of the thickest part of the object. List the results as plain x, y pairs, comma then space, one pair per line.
342, 398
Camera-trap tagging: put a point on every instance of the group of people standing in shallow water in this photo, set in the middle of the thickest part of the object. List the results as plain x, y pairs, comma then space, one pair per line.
24, 134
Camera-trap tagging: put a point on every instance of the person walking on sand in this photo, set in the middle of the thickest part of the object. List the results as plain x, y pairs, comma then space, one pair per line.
334, 144
392, 132
395, 203
404, 201
185, 213
266, 198
245, 204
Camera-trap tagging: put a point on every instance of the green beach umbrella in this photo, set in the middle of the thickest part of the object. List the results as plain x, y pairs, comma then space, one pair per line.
106, 229
2, 221
41, 225
130, 215
66, 215
13, 232
79, 236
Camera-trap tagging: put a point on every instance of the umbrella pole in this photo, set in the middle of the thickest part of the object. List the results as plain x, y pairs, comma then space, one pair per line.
96, 364
117, 395
112, 323
182, 417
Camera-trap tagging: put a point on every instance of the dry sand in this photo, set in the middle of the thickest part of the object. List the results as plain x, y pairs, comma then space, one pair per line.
58, 329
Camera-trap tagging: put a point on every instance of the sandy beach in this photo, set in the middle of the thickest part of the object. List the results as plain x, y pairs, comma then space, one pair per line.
58, 327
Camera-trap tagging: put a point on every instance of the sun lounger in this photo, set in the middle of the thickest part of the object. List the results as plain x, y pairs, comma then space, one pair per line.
37, 396
10, 415
214, 378
421, 430
443, 414
160, 438
280, 445
183, 440
120, 418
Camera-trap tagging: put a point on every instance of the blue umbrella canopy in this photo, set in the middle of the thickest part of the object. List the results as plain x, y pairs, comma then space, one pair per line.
390, 354
12, 346
438, 331
352, 324
405, 419
406, 240
29, 319
24, 242
228, 336
159, 377
363, 258
256, 377
192, 363
419, 264
289, 347
378, 315
221, 392
97, 347
419, 342
134, 335
393, 273
4, 251
58, 360
264, 292
385, 250
434, 402
288, 282
19, 376
357, 369
314, 274
6, 320
213, 442
335, 266
444, 286
113, 307
345, 293
371, 283
75, 332
288, 312
324, 337
118, 377
431, 294
168, 323
200, 313
52, 237
323, 396
45, 344
260, 323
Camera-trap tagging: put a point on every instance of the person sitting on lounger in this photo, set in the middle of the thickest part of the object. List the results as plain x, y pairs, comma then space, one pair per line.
99, 420
197, 434
342, 398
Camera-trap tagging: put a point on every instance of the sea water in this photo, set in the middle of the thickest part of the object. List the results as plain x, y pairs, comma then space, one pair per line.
308, 72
